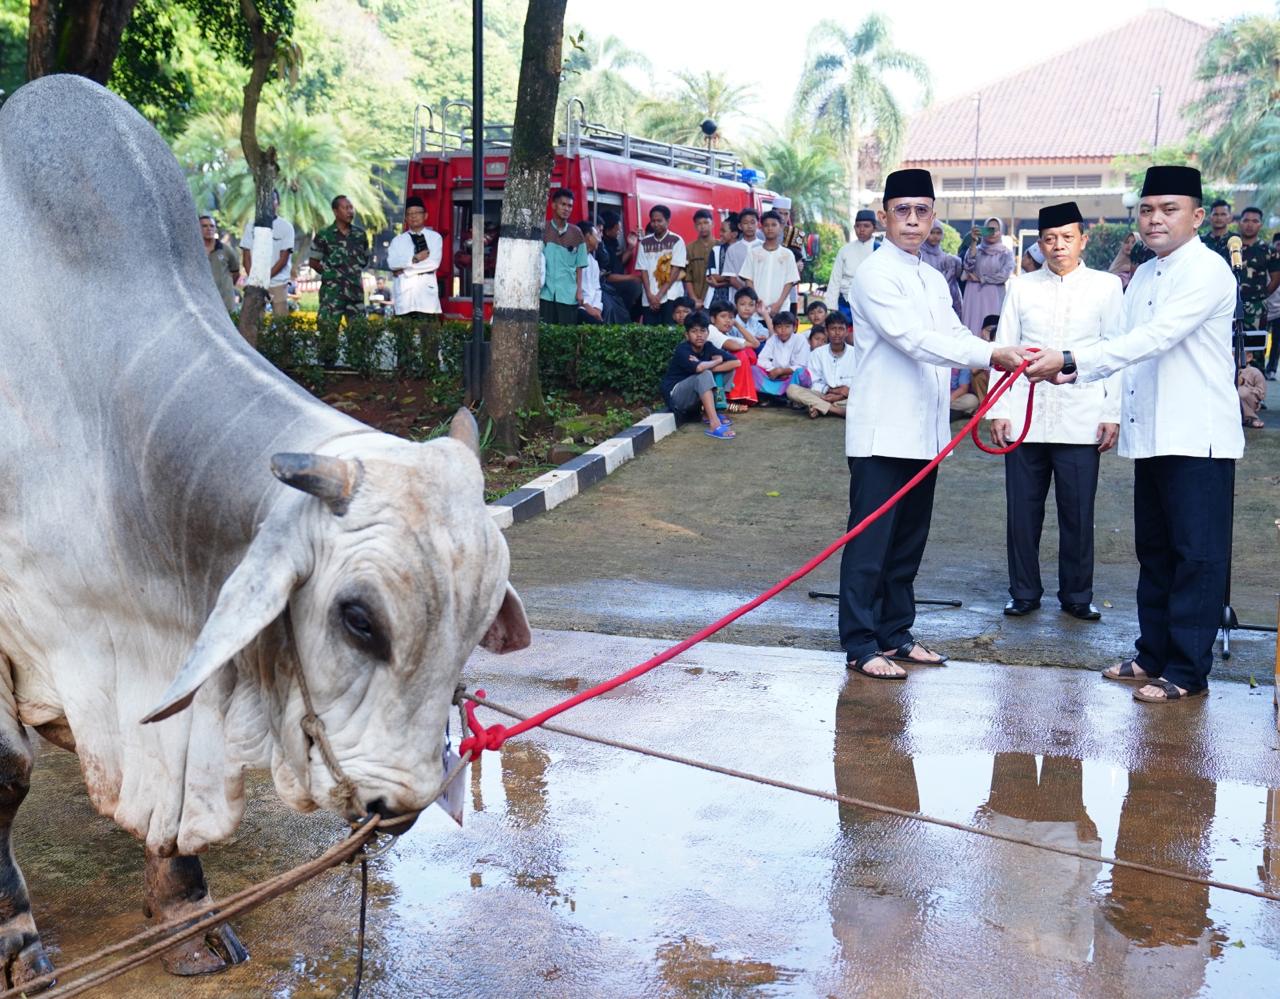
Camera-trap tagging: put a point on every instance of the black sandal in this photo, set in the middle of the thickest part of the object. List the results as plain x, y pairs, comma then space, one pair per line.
1171, 692
1125, 673
859, 665
903, 655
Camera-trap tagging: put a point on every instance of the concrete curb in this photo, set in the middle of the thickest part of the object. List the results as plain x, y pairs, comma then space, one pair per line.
552, 488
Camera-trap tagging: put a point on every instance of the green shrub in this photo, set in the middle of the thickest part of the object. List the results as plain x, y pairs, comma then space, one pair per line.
830, 238
1104, 241
629, 360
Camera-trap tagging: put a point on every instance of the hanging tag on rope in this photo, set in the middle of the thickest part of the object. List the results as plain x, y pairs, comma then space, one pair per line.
454, 799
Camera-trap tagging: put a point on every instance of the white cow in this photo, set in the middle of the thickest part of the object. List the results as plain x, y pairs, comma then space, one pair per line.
153, 569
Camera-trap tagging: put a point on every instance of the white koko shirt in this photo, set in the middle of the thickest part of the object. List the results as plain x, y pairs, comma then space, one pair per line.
1044, 310
829, 371
793, 354
1179, 390
415, 288
769, 271
907, 338
848, 259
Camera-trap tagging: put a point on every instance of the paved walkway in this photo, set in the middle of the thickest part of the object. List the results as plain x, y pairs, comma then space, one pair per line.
689, 530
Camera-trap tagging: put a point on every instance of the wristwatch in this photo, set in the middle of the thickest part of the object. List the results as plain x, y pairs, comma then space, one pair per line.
1068, 363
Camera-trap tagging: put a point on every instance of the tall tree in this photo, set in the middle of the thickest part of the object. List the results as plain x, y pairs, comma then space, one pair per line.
1240, 66
513, 370
75, 36
844, 91
809, 173
595, 71
678, 116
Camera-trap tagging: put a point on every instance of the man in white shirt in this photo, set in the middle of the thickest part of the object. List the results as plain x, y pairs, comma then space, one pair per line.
906, 340
830, 369
850, 257
591, 308
1063, 305
770, 269
282, 240
1180, 420
414, 257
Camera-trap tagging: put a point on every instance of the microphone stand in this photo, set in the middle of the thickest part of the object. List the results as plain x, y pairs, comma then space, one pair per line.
1230, 622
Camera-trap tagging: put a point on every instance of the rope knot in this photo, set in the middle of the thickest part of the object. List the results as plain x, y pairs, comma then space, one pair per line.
481, 738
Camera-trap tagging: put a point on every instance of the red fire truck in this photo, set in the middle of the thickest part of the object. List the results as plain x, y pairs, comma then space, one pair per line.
606, 170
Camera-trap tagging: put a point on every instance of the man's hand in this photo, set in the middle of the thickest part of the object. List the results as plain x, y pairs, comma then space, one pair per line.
1007, 358
1107, 434
779, 373
1000, 430
1047, 367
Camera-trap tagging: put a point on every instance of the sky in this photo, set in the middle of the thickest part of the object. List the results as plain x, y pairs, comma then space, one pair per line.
963, 51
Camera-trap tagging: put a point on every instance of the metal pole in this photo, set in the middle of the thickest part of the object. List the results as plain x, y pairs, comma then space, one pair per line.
475, 369
977, 129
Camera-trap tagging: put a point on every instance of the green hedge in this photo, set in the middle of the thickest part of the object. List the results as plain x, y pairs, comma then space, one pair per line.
628, 360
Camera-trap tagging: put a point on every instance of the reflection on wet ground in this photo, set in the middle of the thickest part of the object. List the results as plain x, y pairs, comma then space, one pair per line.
582, 871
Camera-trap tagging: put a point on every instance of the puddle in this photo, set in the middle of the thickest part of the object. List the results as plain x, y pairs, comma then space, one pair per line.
582, 871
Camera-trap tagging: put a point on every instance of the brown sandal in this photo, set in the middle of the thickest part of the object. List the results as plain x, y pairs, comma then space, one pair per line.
903, 655
859, 665
1128, 672
1170, 690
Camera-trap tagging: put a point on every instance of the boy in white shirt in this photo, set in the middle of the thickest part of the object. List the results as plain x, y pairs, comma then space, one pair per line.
748, 323
771, 269
740, 391
782, 359
830, 369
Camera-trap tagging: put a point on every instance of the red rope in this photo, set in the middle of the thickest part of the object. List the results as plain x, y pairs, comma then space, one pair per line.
495, 735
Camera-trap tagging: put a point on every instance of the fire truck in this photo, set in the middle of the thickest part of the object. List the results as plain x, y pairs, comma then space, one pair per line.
605, 169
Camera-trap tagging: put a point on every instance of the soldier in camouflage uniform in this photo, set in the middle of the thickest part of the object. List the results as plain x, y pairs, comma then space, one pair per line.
339, 253
1219, 229
1261, 273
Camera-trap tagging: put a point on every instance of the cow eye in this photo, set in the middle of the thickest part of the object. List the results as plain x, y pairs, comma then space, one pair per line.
356, 620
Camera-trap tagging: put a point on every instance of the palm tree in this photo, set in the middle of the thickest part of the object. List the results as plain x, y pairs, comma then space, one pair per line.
595, 72
318, 160
1240, 65
844, 92
1262, 164
809, 172
678, 116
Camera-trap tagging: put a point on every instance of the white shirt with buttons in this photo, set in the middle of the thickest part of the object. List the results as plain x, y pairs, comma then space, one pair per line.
1076, 310
1179, 392
906, 340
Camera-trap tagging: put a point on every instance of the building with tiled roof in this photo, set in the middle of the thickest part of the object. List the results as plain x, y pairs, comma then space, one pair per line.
1053, 131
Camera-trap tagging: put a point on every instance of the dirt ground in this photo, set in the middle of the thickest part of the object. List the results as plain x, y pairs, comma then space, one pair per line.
694, 527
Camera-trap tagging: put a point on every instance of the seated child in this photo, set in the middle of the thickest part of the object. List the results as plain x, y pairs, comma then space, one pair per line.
781, 360
689, 383
1252, 386
830, 369
740, 393
817, 337
817, 312
680, 310
750, 325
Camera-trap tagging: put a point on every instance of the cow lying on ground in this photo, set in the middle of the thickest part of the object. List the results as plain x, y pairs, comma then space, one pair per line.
153, 569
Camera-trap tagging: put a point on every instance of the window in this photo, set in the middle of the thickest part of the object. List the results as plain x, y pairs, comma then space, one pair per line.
966, 183
1064, 181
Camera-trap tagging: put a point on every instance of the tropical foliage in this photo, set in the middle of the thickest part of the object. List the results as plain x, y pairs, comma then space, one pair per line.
810, 173
601, 73
677, 116
317, 158
846, 92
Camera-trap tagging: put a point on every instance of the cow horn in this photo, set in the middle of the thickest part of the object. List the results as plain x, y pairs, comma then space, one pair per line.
332, 480
463, 429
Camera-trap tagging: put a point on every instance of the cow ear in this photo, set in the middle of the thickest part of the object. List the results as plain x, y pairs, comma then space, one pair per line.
462, 428
331, 480
253, 596
509, 631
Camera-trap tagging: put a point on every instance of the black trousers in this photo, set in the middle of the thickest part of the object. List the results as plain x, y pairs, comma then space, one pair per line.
558, 313
661, 316
1182, 533
1273, 356
878, 568
1027, 472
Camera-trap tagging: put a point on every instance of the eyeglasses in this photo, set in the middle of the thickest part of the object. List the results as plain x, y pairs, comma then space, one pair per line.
904, 212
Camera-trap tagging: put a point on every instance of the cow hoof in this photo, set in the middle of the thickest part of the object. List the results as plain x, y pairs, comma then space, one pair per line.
30, 962
216, 951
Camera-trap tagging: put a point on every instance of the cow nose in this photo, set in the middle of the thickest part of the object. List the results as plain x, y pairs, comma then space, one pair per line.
393, 822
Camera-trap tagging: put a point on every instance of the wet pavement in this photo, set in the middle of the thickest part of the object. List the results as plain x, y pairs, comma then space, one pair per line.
585, 871
695, 527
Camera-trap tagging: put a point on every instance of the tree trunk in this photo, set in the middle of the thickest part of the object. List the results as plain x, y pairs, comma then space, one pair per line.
851, 167
64, 36
513, 382
264, 167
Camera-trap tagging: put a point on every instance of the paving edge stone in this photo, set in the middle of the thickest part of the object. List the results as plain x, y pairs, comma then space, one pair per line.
552, 488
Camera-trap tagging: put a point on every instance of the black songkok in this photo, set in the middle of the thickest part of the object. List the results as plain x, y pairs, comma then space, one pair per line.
1053, 216
1182, 180
908, 184
413, 201
866, 215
